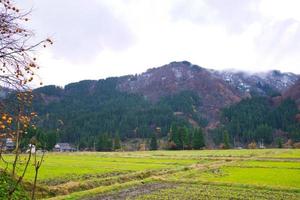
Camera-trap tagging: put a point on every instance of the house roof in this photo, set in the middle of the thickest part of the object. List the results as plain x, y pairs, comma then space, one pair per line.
63, 146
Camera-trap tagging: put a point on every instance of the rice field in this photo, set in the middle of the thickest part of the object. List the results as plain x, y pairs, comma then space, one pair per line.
203, 174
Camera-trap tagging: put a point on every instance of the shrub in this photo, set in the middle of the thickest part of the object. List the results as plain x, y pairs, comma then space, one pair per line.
252, 145
172, 145
5, 182
222, 146
296, 145
142, 147
288, 144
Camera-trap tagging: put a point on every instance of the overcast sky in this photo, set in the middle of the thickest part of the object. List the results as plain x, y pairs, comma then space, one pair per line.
100, 38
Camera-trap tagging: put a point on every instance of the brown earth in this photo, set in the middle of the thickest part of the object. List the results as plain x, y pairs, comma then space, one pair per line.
134, 191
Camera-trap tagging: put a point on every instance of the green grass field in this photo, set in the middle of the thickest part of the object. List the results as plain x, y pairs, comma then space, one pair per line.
207, 174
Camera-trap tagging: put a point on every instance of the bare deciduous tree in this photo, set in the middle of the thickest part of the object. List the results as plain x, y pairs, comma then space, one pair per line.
17, 69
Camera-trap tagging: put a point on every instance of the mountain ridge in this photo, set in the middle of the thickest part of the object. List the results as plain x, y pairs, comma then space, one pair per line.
180, 92
217, 89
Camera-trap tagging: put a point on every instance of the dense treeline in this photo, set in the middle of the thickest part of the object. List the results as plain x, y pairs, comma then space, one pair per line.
83, 111
181, 137
42, 139
257, 119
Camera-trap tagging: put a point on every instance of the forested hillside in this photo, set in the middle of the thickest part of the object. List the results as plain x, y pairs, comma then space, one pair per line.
237, 107
259, 120
85, 110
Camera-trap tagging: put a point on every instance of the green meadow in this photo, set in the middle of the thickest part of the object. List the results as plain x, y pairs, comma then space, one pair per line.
206, 174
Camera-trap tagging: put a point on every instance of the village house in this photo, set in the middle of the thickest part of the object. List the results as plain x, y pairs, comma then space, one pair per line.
7, 144
63, 147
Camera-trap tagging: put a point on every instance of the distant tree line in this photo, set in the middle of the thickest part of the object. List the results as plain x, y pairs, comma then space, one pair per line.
257, 119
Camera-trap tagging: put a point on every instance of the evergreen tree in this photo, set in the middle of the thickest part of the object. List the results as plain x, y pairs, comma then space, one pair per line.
175, 137
82, 144
109, 143
264, 132
100, 144
180, 138
279, 142
187, 140
173, 132
295, 135
153, 142
104, 143
198, 139
226, 140
117, 142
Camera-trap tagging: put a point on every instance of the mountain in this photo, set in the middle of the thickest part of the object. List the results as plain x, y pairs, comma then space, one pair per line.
169, 79
217, 89
137, 105
294, 93
269, 83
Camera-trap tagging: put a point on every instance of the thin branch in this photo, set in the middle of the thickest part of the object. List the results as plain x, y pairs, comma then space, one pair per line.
23, 174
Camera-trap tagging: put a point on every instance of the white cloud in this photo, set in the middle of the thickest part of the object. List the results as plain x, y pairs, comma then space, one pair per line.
280, 9
110, 38
80, 30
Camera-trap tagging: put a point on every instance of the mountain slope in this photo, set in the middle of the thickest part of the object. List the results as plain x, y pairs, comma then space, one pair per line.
217, 89
294, 93
89, 108
269, 83
137, 105
179, 76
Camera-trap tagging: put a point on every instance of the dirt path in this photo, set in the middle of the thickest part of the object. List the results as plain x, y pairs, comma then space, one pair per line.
151, 187
134, 191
